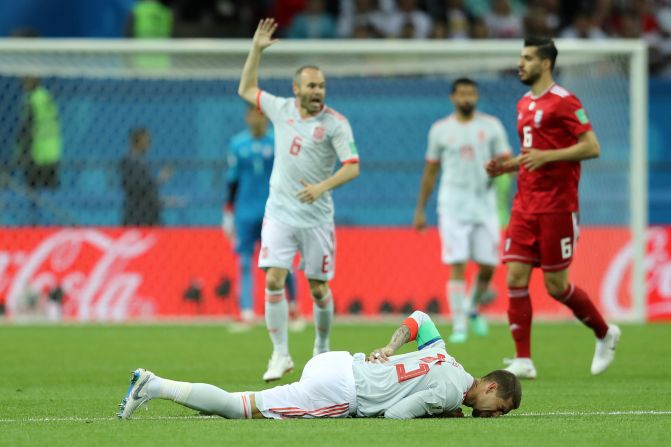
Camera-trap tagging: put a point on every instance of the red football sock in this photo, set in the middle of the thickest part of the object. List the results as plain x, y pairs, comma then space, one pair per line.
519, 317
584, 310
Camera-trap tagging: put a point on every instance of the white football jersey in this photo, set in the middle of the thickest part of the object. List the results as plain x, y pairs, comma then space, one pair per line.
462, 149
305, 150
426, 382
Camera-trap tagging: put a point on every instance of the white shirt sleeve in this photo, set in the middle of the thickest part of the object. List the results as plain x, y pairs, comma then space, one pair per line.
434, 148
270, 105
501, 144
422, 403
343, 142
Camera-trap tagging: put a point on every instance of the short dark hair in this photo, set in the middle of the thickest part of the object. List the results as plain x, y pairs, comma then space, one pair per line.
136, 133
508, 386
545, 47
463, 81
297, 75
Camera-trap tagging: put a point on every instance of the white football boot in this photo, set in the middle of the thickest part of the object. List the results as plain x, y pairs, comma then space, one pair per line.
278, 365
605, 349
137, 393
523, 368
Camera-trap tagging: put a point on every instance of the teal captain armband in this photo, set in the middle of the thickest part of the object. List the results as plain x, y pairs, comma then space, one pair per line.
427, 334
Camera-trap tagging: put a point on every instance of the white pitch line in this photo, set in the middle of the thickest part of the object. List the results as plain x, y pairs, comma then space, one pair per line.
178, 418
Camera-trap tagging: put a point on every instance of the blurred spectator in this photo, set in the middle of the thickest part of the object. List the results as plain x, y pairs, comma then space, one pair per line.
457, 19
357, 19
284, 11
583, 28
407, 17
537, 22
440, 30
313, 23
142, 204
39, 139
502, 23
478, 29
149, 19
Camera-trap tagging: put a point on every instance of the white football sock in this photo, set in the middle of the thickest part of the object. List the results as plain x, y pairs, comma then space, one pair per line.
323, 315
202, 397
456, 293
277, 320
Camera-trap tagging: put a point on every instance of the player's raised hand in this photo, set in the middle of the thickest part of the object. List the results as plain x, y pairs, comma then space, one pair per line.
263, 37
310, 193
533, 159
419, 221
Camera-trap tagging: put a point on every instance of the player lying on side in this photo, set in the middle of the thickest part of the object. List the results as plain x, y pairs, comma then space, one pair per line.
427, 382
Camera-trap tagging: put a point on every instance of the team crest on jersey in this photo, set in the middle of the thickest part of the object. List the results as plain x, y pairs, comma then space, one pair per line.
538, 117
318, 133
532, 105
519, 116
290, 121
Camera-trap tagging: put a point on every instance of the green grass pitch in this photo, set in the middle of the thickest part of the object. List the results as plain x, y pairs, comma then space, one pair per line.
60, 385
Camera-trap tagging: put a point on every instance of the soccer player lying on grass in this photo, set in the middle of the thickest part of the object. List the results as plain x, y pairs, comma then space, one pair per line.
428, 382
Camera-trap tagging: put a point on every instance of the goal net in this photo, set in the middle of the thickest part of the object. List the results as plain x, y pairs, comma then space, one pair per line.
65, 249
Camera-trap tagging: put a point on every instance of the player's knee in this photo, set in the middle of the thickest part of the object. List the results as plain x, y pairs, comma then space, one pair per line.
515, 280
555, 287
274, 282
319, 292
486, 272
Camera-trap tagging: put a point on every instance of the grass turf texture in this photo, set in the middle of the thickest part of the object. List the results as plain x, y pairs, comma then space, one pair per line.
78, 375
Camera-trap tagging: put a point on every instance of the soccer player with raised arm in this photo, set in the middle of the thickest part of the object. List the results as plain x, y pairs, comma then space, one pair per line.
425, 383
556, 135
460, 144
309, 138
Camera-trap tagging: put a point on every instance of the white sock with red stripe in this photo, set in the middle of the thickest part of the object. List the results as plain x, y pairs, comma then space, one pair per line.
277, 320
202, 397
323, 315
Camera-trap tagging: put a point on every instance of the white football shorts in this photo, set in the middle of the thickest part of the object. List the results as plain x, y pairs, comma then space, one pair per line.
326, 390
463, 241
280, 243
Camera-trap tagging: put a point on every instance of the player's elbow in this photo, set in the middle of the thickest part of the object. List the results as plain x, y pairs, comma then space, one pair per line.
596, 149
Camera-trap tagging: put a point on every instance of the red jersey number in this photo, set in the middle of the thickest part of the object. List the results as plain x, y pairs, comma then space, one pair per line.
295, 148
423, 368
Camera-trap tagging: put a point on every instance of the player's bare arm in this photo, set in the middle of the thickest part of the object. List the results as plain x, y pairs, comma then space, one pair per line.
263, 38
311, 192
400, 337
587, 147
502, 165
426, 188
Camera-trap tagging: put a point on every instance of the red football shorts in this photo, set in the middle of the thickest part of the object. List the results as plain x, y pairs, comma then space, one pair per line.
543, 240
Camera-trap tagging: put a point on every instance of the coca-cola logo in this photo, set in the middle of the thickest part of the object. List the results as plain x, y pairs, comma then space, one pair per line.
617, 279
89, 265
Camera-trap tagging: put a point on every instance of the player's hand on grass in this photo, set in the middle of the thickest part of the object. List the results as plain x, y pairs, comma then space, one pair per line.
263, 37
381, 355
419, 221
310, 193
533, 159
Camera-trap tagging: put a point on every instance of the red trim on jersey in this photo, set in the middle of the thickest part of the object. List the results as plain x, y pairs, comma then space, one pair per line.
411, 324
258, 100
330, 411
244, 406
350, 160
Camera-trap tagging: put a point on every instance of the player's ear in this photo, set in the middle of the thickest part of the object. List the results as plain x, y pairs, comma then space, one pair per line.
296, 88
492, 387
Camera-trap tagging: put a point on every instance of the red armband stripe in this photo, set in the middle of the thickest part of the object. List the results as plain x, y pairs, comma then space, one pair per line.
412, 325
258, 100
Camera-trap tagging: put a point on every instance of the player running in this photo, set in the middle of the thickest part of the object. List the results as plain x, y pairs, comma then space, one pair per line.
309, 138
427, 382
556, 135
469, 224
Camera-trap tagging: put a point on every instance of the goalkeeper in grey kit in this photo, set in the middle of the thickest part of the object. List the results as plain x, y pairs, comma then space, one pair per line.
425, 383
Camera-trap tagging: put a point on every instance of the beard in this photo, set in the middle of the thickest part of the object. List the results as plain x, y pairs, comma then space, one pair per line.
530, 79
466, 109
